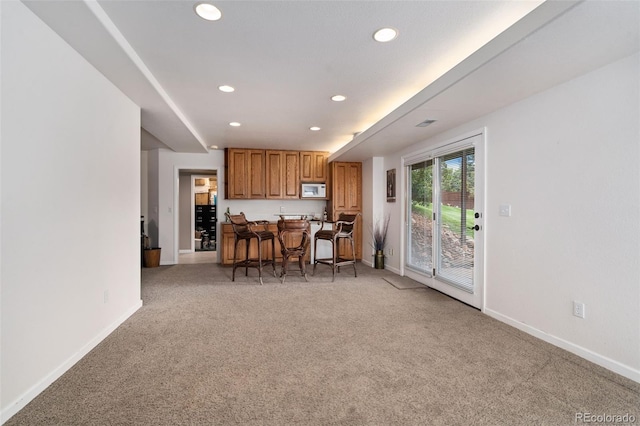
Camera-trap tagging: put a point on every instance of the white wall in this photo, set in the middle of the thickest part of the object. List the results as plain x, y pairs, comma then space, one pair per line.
144, 185
70, 207
167, 165
374, 206
567, 161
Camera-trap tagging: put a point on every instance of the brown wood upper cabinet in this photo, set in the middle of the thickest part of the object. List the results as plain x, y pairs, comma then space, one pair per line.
346, 187
244, 173
313, 166
260, 174
282, 171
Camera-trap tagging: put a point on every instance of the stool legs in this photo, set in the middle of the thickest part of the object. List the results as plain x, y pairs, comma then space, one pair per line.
335, 261
257, 263
235, 259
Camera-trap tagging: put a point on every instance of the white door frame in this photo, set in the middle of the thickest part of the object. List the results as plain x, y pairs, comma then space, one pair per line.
176, 207
477, 298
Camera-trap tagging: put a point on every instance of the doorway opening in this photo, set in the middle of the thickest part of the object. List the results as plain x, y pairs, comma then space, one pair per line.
197, 216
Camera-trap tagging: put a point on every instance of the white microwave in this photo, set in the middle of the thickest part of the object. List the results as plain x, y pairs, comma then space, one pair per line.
313, 190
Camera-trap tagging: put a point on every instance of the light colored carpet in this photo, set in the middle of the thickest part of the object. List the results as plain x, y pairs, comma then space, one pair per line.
205, 351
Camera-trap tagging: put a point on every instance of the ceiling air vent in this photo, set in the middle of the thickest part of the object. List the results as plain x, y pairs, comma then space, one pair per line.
425, 123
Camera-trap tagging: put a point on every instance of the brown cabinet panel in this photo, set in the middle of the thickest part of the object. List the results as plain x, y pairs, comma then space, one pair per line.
244, 173
235, 173
283, 174
274, 180
306, 165
256, 174
354, 186
290, 177
313, 166
339, 186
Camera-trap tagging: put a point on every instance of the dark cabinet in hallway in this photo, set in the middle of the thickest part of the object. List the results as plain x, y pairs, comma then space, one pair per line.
206, 222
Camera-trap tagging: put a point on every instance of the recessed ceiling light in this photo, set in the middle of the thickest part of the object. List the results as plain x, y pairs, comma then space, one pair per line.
314, 128
234, 124
226, 89
385, 34
338, 98
208, 11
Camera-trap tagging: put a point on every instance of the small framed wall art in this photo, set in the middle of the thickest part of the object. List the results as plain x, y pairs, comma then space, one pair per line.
391, 185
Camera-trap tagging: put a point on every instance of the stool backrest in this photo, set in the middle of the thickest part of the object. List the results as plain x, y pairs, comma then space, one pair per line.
346, 222
294, 226
239, 222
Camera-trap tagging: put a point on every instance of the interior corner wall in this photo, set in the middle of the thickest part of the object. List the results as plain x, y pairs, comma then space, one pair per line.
153, 195
395, 211
70, 202
566, 160
373, 202
144, 187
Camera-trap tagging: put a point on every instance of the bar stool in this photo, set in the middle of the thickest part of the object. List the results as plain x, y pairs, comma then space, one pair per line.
294, 236
244, 230
342, 229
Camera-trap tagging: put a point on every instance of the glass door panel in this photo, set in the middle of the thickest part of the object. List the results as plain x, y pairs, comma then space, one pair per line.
420, 220
455, 214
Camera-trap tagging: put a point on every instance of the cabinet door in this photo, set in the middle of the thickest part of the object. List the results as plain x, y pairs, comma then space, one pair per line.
313, 166
283, 174
320, 166
290, 174
256, 173
236, 173
353, 184
244, 172
338, 186
227, 244
273, 174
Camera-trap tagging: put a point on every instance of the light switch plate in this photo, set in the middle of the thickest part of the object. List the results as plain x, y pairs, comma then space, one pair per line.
505, 210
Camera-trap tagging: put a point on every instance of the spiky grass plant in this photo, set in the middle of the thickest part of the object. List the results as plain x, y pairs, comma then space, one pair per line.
379, 233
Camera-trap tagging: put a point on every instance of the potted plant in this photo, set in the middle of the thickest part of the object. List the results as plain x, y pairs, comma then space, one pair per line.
379, 240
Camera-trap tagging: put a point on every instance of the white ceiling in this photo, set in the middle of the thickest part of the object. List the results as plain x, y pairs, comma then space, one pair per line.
452, 61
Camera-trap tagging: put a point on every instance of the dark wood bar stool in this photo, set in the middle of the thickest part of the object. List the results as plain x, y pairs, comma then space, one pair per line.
294, 236
244, 230
342, 230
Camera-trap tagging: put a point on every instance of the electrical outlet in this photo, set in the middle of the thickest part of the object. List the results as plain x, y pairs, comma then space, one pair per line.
578, 309
390, 252
106, 296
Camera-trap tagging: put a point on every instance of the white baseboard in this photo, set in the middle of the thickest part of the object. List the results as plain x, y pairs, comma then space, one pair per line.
392, 269
17, 405
603, 361
388, 268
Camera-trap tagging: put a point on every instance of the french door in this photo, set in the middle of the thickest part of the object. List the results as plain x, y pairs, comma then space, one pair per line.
444, 219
